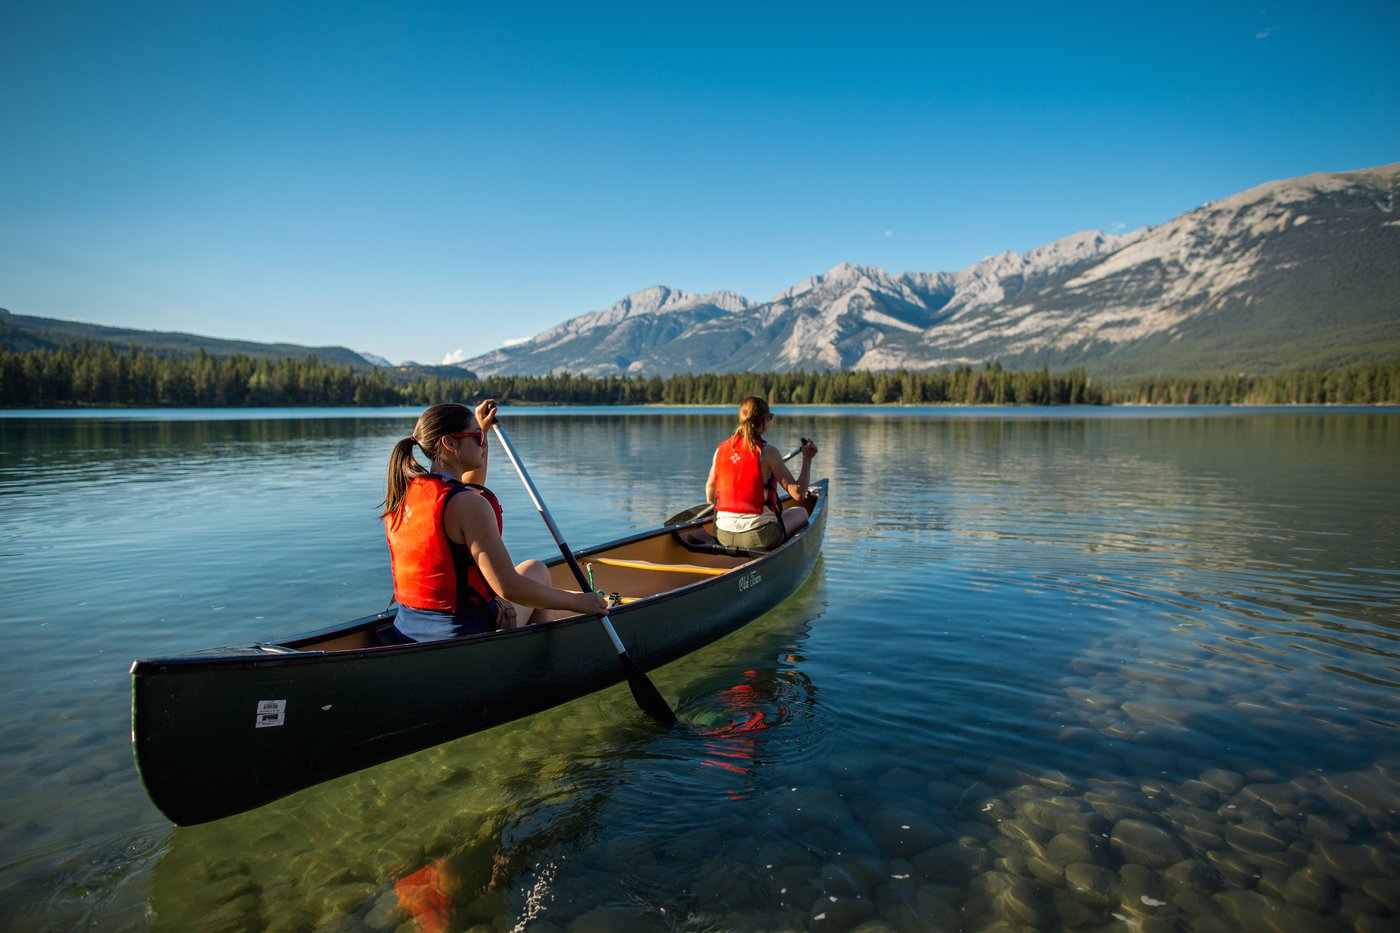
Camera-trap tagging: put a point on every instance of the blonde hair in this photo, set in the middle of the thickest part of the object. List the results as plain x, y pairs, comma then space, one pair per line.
433, 424
753, 416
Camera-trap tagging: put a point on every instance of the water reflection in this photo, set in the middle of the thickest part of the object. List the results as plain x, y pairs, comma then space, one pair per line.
1057, 672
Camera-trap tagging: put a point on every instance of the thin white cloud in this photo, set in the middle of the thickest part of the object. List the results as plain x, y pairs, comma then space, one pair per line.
889, 233
456, 356
1263, 34
516, 341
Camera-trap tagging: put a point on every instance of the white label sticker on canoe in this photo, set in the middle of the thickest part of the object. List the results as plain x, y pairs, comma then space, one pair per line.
271, 713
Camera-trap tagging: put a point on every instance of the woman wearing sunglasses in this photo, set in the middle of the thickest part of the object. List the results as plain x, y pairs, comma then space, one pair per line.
452, 573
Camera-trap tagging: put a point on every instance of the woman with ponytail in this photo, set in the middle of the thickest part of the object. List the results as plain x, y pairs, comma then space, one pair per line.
743, 484
452, 573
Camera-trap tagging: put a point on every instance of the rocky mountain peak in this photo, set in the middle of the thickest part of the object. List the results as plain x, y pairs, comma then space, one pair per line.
1182, 287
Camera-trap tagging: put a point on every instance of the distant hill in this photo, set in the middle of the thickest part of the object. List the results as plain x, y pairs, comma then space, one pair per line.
1296, 273
21, 333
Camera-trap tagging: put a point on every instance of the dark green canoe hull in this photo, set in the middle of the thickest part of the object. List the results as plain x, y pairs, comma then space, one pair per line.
223, 731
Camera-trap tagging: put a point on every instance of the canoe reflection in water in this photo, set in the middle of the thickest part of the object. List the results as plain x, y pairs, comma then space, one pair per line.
510, 870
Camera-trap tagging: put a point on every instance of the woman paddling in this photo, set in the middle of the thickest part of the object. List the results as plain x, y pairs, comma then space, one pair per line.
452, 573
743, 484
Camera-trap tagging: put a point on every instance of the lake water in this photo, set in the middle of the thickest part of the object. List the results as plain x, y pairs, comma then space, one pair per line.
1101, 669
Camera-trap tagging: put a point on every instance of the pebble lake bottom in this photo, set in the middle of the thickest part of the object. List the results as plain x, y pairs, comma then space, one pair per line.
1057, 669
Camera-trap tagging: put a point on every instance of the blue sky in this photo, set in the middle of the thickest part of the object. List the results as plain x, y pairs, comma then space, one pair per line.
413, 179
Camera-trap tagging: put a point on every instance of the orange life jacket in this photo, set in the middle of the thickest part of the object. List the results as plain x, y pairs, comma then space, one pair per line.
430, 570
739, 483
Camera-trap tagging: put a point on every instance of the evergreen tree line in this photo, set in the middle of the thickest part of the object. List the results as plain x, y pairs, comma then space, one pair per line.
99, 375
1361, 384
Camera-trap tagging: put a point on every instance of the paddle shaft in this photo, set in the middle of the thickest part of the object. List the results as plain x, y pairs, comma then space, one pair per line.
648, 698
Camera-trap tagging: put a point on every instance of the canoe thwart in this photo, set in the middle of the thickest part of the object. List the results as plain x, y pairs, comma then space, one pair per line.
665, 568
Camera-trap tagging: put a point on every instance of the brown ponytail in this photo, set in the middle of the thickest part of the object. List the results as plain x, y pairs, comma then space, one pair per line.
437, 421
753, 416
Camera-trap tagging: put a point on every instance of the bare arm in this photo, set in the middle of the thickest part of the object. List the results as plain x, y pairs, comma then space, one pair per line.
710, 482
485, 417
773, 462
471, 517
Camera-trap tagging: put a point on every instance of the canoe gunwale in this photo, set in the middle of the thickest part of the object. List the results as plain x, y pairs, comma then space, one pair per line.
263, 654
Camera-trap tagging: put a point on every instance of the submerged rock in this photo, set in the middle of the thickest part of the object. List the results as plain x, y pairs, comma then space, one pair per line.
1028, 837
1326, 829
1227, 783
1234, 870
1092, 884
1118, 805
1062, 814
1071, 848
1255, 836
1385, 891
939, 905
1352, 865
1310, 889
1018, 902
830, 912
902, 832
1073, 913
1140, 890
1196, 794
1046, 871
1200, 828
1192, 875
1248, 910
1281, 799
953, 863
1146, 844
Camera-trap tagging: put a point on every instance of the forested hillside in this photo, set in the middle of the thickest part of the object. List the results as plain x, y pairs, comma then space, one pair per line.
101, 376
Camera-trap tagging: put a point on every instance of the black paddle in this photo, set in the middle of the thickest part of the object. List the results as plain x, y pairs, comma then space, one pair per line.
644, 692
706, 510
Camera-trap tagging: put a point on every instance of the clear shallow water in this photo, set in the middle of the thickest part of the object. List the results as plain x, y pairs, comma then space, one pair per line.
1067, 669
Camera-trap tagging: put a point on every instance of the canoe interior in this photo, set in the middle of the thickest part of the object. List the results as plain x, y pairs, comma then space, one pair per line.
650, 565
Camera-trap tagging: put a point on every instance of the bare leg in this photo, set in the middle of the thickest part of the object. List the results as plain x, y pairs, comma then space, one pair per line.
536, 570
794, 517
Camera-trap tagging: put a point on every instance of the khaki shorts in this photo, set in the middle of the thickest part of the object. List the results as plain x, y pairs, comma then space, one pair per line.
763, 538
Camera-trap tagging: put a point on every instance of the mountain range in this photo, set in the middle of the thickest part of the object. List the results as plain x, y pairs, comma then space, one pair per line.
1300, 273
1297, 273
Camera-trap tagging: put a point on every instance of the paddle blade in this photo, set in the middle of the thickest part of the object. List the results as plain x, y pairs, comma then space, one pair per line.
645, 694
703, 510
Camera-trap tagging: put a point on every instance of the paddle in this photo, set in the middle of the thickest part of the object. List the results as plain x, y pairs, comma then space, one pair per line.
644, 692
707, 509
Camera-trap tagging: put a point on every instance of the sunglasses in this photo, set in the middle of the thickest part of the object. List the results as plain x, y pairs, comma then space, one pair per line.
476, 434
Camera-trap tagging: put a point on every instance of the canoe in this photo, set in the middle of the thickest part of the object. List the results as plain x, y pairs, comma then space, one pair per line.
224, 730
